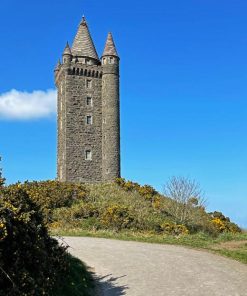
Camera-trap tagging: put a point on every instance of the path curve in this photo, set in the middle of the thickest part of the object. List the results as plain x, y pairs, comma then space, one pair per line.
142, 269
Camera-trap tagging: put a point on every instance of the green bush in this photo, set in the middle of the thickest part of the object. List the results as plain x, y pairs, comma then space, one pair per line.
174, 229
30, 261
223, 224
116, 217
50, 195
146, 190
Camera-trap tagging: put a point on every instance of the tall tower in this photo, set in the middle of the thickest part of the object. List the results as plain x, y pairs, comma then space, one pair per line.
110, 111
88, 119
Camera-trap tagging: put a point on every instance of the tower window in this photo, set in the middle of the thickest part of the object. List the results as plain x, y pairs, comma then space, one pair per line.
89, 101
111, 60
88, 155
88, 83
89, 119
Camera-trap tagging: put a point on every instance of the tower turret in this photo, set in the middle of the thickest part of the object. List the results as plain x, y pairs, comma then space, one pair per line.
67, 55
57, 68
110, 112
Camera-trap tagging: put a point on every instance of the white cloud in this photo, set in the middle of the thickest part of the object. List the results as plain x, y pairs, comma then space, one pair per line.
18, 105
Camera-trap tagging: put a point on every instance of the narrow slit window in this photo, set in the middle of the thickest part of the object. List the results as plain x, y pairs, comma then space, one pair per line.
89, 101
89, 119
88, 155
88, 83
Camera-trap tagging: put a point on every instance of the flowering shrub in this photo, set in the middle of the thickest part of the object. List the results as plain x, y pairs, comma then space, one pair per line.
222, 223
146, 191
51, 195
174, 229
117, 217
30, 261
219, 224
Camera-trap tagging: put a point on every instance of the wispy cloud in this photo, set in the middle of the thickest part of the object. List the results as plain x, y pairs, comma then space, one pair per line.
18, 105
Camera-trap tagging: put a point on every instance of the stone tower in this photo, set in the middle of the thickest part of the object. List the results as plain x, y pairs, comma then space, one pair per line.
88, 111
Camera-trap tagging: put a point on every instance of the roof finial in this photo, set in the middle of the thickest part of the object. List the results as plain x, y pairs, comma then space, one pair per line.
83, 21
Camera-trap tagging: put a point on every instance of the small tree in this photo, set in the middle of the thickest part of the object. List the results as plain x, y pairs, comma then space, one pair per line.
2, 180
185, 195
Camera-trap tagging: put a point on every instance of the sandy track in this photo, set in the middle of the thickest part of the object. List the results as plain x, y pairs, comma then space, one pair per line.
142, 269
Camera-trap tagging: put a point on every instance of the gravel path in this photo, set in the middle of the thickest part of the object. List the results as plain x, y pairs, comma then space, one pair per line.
142, 269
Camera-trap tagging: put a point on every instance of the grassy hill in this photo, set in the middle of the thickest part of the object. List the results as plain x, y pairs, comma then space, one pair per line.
127, 210
119, 210
122, 206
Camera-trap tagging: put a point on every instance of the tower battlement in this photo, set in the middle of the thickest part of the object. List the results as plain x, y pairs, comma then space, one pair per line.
88, 148
81, 70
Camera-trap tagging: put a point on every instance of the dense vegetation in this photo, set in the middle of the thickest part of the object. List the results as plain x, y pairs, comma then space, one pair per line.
121, 206
31, 262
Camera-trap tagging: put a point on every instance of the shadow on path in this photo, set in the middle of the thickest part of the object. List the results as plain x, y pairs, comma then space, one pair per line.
108, 286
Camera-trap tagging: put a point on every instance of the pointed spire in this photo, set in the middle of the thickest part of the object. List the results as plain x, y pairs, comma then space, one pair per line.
58, 65
83, 44
110, 48
67, 49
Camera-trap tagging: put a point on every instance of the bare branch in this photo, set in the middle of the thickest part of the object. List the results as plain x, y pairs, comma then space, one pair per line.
185, 195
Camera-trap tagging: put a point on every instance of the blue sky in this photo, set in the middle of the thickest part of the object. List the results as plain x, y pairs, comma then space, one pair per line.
183, 89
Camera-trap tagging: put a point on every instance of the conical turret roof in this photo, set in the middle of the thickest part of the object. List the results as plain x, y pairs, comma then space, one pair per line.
67, 49
110, 48
83, 43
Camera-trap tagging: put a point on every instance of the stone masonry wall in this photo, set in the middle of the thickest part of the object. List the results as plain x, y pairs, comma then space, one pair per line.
80, 136
111, 122
61, 136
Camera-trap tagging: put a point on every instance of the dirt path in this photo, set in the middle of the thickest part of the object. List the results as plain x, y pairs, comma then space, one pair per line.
141, 269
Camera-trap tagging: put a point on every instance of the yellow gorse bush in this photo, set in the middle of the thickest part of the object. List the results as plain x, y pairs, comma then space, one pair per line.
174, 229
223, 224
3, 229
30, 260
116, 216
219, 224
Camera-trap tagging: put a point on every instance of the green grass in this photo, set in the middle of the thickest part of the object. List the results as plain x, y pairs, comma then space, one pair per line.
79, 281
239, 255
196, 241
